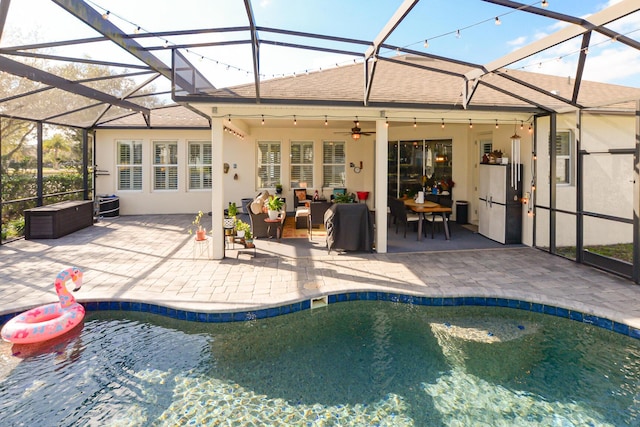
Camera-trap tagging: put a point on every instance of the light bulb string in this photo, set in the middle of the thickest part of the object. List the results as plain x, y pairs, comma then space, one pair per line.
410, 120
561, 57
458, 30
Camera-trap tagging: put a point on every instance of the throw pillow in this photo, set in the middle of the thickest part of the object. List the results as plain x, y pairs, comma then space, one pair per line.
301, 195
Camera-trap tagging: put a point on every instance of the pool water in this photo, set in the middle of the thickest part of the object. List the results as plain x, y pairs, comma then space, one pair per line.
356, 363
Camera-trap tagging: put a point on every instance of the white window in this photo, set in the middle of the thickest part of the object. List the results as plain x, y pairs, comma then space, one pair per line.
333, 164
486, 147
165, 165
564, 157
129, 165
200, 161
301, 163
269, 162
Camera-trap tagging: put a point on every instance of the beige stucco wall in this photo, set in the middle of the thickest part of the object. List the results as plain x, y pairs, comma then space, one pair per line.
147, 200
241, 154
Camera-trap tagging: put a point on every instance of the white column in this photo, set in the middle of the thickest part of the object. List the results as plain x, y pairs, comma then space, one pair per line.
380, 184
217, 189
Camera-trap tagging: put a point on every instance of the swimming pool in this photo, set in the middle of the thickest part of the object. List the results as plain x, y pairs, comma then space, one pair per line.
355, 363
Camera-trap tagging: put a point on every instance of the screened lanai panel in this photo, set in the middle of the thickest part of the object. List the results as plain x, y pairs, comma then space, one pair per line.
608, 184
121, 87
88, 117
12, 86
42, 105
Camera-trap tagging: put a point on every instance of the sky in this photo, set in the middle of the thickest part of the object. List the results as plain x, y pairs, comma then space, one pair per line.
460, 29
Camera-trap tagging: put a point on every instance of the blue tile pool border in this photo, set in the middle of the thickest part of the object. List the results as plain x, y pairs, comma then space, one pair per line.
242, 316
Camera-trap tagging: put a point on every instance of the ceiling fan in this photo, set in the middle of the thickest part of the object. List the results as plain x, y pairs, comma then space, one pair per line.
356, 132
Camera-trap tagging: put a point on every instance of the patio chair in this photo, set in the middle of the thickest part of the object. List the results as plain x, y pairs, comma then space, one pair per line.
438, 218
316, 215
301, 201
401, 215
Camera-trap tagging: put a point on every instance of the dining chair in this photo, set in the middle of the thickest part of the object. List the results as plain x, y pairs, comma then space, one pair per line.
402, 215
437, 217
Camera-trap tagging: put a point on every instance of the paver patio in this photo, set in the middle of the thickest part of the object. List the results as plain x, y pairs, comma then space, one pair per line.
150, 259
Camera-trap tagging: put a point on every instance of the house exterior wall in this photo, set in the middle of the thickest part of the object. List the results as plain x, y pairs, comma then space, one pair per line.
147, 200
241, 155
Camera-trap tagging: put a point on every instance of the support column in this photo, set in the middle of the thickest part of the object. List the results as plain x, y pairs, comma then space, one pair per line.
636, 201
579, 190
39, 162
85, 165
553, 123
217, 188
381, 176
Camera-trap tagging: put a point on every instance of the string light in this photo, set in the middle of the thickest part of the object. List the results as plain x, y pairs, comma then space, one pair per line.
457, 34
414, 123
426, 44
357, 122
545, 3
325, 121
137, 30
263, 119
497, 126
521, 125
470, 124
442, 125
295, 121
386, 123
498, 21
105, 15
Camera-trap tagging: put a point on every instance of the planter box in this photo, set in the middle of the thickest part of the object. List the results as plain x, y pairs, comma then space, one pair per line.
58, 219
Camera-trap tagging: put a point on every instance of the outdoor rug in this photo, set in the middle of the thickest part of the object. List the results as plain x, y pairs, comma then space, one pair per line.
290, 231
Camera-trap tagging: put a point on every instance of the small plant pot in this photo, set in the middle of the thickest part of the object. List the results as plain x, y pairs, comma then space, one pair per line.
240, 233
229, 222
273, 214
201, 234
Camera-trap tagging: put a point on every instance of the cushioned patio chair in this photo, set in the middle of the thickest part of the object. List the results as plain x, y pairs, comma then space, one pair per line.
401, 215
438, 218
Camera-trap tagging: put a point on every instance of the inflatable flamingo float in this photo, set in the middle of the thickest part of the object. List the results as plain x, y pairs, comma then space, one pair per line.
51, 320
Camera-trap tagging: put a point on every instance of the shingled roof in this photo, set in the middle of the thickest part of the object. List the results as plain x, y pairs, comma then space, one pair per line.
418, 82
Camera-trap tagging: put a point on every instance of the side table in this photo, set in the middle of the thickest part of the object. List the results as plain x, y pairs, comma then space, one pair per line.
278, 222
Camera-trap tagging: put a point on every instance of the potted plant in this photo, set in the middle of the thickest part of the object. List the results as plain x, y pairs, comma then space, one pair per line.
248, 238
230, 218
274, 206
242, 228
232, 210
201, 232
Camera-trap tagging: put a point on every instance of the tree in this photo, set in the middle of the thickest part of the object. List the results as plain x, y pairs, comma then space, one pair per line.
54, 149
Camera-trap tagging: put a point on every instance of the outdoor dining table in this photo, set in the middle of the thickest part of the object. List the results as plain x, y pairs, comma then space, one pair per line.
430, 207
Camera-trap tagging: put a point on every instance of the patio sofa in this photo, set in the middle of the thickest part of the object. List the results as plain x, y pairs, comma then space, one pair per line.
257, 215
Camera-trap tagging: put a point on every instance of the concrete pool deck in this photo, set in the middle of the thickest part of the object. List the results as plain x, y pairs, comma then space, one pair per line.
150, 259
